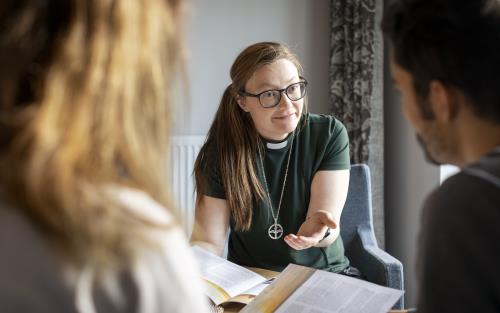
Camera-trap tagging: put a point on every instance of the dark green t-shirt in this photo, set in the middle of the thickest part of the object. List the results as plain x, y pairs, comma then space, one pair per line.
320, 143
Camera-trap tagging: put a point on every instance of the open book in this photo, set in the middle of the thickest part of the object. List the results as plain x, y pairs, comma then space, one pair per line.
228, 282
302, 289
297, 289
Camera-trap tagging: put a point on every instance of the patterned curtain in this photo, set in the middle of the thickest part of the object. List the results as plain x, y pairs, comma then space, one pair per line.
356, 83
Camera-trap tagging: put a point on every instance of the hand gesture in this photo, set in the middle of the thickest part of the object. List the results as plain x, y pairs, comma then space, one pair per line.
312, 231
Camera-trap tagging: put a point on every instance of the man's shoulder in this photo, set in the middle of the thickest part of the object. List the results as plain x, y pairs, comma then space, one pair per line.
457, 239
478, 180
462, 196
458, 188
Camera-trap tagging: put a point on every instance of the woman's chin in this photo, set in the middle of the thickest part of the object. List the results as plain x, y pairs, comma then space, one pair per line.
287, 124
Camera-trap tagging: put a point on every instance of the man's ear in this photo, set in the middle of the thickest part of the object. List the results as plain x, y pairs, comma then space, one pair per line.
241, 103
443, 100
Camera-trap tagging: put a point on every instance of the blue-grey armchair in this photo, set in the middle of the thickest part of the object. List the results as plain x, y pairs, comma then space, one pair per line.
356, 229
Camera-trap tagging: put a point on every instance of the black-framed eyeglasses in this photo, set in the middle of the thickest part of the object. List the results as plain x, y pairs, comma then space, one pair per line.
271, 98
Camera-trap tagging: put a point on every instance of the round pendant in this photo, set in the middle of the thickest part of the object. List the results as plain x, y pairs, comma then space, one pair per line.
275, 231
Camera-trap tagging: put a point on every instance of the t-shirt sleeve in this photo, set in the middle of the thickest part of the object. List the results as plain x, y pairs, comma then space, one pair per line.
212, 178
336, 155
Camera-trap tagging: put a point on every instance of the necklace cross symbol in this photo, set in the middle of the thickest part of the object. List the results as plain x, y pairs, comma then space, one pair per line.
275, 231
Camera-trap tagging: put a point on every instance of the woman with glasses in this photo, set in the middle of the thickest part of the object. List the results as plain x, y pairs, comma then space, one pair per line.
272, 173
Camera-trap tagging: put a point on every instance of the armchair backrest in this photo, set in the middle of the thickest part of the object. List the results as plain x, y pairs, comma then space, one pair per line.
357, 210
357, 231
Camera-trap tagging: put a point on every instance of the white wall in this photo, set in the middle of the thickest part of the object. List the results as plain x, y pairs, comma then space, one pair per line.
408, 181
219, 29
446, 171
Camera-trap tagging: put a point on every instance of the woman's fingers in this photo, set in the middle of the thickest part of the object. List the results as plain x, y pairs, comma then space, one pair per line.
300, 242
292, 244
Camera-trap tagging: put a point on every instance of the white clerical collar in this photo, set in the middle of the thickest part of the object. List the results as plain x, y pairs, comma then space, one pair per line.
277, 145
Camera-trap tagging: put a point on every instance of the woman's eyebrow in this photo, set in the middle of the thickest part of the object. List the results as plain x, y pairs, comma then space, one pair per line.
273, 86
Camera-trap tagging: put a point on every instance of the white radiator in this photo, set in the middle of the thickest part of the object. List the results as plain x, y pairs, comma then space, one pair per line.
183, 152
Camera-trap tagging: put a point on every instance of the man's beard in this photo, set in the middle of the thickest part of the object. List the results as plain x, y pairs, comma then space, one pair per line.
428, 156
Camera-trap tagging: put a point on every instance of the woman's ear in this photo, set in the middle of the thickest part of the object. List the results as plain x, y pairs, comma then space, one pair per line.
443, 100
241, 103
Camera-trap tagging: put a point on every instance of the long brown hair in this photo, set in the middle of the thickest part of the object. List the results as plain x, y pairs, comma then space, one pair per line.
235, 138
85, 91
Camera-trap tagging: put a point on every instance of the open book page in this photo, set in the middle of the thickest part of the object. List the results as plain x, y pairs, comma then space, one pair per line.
300, 289
283, 286
330, 292
259, 288
219, 296
226, 279
250, 294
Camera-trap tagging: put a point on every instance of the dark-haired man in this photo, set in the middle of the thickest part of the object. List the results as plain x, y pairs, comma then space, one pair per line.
445, 60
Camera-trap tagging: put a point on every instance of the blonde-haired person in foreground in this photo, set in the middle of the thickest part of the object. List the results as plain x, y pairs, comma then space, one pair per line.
83, 133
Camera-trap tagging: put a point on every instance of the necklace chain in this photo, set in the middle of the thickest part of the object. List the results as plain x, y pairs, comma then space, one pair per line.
275, 218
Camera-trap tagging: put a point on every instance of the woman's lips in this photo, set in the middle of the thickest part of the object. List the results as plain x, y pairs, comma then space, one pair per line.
285, 116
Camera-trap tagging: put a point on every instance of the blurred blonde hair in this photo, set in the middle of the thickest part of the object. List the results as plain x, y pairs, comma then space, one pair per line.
85, 104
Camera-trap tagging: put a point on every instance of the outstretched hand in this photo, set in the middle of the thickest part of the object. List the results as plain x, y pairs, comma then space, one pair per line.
311, 231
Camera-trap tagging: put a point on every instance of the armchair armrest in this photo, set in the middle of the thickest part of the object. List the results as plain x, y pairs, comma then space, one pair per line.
377, 265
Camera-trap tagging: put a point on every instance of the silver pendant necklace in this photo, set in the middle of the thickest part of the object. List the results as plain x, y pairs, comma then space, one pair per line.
275, 231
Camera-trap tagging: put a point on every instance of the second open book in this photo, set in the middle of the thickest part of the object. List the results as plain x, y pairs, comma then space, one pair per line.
297, 289
227, 281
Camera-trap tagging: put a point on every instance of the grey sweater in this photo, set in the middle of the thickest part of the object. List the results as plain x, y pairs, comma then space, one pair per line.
459, 265
30, 274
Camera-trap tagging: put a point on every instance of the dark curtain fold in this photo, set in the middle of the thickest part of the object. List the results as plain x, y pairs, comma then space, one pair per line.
356, 54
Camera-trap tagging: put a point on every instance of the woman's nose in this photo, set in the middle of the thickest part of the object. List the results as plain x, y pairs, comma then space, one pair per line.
285, 101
